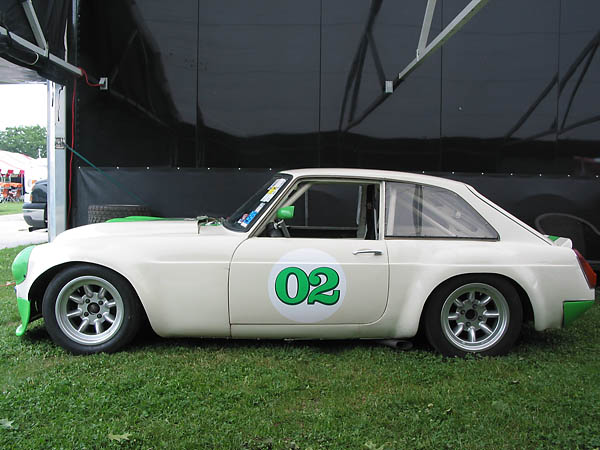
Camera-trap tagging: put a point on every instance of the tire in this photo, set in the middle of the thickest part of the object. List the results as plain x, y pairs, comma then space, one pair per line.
102, 213
100, 296
473, 314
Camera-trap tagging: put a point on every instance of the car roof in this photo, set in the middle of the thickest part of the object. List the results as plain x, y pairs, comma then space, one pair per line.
377, 174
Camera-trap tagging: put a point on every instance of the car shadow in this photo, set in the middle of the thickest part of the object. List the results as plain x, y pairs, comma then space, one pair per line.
145, 342
36, 334
529, 341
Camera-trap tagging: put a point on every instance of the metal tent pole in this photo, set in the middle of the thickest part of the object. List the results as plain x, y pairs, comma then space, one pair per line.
34, 23
57, 160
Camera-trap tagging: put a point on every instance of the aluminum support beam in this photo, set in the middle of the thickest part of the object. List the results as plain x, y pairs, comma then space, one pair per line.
4, 33
34, 23
57, 160
429, 10
456, 24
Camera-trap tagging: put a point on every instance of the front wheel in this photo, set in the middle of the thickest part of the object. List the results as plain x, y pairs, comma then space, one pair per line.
474, 314
90, 309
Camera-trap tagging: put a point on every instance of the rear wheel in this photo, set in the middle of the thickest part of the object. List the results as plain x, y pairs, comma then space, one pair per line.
91, 309
474, 314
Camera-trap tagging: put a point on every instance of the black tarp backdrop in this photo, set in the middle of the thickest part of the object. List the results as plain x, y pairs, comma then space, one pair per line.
52, 16
140, 120
215, 83
168, 192
284, 83
218, 192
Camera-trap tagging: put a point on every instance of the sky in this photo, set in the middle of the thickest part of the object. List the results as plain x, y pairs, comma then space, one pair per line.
22, 104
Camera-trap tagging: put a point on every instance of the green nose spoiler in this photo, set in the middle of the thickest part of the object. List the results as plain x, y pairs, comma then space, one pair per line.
19, 270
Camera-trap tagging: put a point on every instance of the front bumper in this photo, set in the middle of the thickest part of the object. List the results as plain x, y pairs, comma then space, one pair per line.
573, 309
25, 313
19, 268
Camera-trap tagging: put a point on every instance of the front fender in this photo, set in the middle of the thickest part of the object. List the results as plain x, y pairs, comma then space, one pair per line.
181, 280
44, 262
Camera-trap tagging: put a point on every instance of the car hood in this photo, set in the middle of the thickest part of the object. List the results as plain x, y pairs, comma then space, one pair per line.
142, 229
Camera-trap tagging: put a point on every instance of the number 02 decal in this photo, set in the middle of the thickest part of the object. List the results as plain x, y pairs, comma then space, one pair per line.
324, 291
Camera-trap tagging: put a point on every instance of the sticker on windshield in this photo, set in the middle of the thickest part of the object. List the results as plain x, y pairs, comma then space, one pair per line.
247, 218
307, 285
273, 190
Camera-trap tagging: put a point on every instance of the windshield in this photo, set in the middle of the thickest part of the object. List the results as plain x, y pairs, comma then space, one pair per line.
247, 214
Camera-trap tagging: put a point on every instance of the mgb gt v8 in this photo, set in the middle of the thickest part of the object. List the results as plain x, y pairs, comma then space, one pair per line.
314, 254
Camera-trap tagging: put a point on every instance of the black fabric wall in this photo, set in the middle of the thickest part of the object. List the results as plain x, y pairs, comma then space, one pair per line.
190, 192
272, 83
547, 203
168, 192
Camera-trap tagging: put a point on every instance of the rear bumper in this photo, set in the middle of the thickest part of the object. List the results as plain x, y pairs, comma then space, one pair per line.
573, 309
35, 215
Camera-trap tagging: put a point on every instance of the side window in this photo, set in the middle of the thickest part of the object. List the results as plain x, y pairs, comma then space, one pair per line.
330, 210
414, 210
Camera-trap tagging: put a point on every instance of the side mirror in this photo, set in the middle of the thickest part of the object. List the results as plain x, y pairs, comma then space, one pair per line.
285, 213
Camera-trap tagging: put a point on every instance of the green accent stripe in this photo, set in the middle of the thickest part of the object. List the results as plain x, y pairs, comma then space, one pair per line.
572, 310
553, 238
137, 219
25, 313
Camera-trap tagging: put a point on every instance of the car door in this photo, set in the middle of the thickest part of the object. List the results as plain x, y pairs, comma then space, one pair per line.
309, 280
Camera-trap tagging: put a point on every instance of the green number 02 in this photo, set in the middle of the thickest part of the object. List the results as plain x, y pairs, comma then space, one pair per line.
317, 295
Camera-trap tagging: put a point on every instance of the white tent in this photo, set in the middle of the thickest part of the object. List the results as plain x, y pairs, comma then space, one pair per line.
14, 161
33, 169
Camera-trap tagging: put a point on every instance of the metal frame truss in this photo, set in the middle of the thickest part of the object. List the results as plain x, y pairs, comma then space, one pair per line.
423, 51
584, 59
40, 49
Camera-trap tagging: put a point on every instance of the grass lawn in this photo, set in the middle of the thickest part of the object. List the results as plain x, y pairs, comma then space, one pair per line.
11, 208
276, 395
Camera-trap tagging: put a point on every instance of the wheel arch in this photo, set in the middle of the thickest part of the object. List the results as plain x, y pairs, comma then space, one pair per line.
528, 314
39, 286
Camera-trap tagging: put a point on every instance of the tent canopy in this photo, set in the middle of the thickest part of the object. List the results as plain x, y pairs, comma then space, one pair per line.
14, 161
33, 169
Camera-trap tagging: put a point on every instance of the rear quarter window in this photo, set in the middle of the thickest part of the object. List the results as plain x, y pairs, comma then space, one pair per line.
419, 211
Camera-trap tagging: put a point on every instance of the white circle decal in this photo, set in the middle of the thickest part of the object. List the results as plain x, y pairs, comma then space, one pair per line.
307, 285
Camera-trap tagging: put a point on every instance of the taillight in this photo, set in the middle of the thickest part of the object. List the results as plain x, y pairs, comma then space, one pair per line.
588, 272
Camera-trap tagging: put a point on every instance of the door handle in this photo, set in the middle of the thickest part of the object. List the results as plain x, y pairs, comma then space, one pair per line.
362, 252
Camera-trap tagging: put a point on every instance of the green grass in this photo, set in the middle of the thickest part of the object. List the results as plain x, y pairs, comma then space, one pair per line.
262, 395
11, 208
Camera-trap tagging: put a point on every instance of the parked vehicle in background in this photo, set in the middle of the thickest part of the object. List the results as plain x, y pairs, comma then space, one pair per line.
35, 213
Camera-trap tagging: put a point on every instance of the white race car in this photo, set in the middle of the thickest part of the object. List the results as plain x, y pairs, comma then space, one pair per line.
314, 254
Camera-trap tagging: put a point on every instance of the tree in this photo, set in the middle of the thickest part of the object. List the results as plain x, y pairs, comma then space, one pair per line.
30, 140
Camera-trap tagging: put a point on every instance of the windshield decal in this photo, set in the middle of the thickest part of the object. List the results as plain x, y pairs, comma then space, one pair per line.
243, 218
247, 218
272, 191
